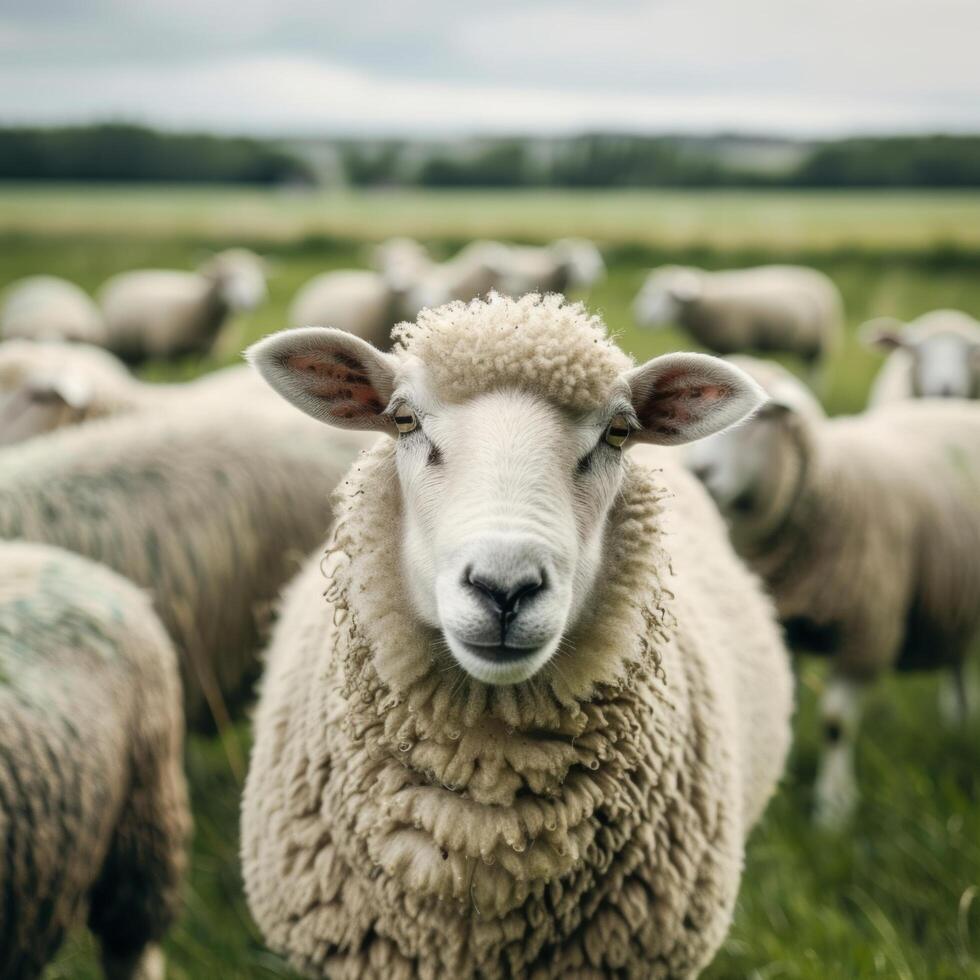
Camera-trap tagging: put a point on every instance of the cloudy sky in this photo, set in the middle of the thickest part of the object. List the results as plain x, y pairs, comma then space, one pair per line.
537, 66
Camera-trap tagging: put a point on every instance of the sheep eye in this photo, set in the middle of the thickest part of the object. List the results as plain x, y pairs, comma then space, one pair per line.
617, 432
405, 419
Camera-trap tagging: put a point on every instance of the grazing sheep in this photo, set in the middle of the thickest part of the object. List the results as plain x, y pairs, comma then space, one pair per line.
568, 263
210, 507
169, 313
50, 386
543, 704
402, 262
470, 274
48, 308
867, 531
935, 356
767, 308
93, 805
359, 301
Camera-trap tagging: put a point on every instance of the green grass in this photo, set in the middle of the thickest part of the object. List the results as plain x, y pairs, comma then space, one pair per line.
897, 895
726, 219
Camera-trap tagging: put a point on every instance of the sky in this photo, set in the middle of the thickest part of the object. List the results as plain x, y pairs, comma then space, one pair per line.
450, 67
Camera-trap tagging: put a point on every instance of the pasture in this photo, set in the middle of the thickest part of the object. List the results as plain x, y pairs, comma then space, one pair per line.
896, 896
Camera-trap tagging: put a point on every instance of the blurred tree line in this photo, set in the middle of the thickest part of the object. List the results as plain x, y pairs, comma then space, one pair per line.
122, 152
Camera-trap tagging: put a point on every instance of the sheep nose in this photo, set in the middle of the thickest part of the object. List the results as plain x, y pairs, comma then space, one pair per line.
504, 598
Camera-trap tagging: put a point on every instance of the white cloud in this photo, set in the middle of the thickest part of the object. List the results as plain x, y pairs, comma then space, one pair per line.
552, 66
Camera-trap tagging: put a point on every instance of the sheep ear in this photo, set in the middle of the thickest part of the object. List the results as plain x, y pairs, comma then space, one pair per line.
682, 397
329, 374
73, 389
882, 333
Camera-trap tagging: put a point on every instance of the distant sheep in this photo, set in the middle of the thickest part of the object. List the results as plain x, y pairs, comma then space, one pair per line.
543, 704
935, 356
211, 507
360, 301
767, 308
44, 387
168, 313
569, 263
402, 262
867, 531
93, 805
48, 308
470, 274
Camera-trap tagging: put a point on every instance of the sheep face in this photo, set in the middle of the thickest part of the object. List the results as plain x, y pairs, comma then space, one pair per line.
39, 394
664, 295
241, 278
582, 260
944, 351
505, 495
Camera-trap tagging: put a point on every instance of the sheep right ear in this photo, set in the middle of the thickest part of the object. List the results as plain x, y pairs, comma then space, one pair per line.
329, 374
882, 333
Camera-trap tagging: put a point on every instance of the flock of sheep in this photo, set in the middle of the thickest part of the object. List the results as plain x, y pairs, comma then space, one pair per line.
520, 710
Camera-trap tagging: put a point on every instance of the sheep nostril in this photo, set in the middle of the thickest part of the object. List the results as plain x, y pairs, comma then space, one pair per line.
505, 598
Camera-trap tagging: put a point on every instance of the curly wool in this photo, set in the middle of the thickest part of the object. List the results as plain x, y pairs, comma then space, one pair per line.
93, 805
403, 821
541, 344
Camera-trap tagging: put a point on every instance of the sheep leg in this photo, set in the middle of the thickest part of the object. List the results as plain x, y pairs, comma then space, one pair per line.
137, 895
955, 703
836, 789
148, 964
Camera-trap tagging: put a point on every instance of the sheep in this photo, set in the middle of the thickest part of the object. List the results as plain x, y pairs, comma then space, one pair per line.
47, 386
867, 531
543, 703
49, 308
766, 308
471, 273
93, 804
935, 356
568, 263
402, 262
168, 313
359, 301
210, 507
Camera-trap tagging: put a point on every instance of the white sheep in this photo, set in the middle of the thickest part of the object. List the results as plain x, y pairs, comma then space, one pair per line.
48, 386
569, 263
360, 301
402, 262
867, 531
544, 703
211, 506
168, 313
93, 804
766, 308
470, 274
934, 356
49, 308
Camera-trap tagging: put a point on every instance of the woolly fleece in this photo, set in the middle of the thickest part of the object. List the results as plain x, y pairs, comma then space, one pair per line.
402, 820
93, 805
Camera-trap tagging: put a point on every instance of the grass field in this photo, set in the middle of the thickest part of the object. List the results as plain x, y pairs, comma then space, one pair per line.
895, 896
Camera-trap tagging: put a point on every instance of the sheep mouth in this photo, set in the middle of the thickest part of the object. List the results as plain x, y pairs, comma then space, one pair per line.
498, 653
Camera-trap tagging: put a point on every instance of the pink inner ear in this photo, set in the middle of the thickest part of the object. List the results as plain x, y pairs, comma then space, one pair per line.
676, 401
339, 379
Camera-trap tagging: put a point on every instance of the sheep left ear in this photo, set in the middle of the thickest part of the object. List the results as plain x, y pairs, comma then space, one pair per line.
679, 398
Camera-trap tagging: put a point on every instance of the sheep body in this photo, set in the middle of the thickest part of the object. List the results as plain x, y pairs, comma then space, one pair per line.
400, 821
867, 531
210, 507
359, 301
554, 268
766, 308
93, 805
49, 308
169, 313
